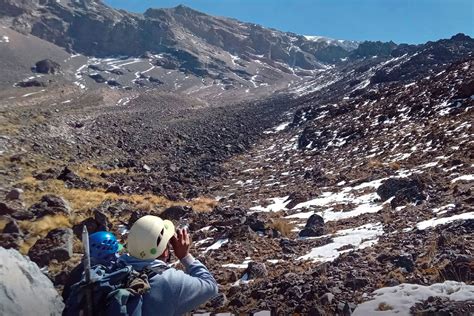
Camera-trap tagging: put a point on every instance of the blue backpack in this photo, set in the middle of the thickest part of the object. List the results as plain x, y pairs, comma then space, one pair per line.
116, 290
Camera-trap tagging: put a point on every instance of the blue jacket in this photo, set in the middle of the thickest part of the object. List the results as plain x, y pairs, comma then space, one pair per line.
174, 292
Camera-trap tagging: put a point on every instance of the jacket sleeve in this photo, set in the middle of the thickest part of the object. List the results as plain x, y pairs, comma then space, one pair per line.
195, 287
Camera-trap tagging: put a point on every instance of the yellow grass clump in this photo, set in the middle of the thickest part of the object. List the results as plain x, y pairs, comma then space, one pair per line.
40, 228
283, 226
203, 204
94, 174
83, 200
384, 307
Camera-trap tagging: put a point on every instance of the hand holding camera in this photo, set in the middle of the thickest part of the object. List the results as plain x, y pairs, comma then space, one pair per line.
181, 242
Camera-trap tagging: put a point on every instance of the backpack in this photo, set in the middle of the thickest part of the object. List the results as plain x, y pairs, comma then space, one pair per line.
116, 290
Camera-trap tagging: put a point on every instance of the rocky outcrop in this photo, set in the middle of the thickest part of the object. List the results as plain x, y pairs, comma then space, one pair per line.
47, 66
24, 289
314, 227
100, 30
403, 190
50, 205
57, 245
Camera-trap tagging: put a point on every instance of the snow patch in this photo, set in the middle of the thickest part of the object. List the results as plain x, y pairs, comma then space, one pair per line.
359, 237
444, 220
402, 297
217, 244
279, 203
468, 177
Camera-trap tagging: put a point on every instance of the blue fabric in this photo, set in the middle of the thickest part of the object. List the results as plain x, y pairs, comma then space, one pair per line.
106, 282
174, 292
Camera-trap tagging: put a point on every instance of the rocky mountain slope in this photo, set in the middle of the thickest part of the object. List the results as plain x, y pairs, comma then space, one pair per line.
179, 48
347, 189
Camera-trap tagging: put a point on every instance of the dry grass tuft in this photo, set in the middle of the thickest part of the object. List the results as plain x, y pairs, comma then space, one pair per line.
384, 307
3, 223
40, 228
427, 257
283, 226
387, 217
27, 244
203, 204
373, 163
397, 275
83, 200
394, 165
94, 174
45, 224
145, 206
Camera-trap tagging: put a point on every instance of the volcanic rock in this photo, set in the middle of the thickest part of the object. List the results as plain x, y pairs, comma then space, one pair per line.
98, 78
402, 189
114, 188
31, 83
47, 66
256, 270
404, 261
11, 241
51, 205
12, 227
314, 227
14, 194
56, 245
175, 212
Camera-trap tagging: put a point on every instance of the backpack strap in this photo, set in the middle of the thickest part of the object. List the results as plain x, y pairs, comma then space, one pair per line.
155, 270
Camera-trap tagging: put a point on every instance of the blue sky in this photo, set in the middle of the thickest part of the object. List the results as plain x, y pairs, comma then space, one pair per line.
403, 21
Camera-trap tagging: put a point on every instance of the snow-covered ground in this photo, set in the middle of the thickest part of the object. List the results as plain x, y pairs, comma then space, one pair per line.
358, 238
443, 220
398, 300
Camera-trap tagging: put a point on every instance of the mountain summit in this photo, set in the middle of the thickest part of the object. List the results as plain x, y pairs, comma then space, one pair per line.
93, 28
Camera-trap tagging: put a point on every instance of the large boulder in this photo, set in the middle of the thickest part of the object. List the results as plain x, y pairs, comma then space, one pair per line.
50, 205
47, 66
14, 194
174, 213
296, 198
31, 83
314, 227
56, 245
256, 270
403, 190
24, 289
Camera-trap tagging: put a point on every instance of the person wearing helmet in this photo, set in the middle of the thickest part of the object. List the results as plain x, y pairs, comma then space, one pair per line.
104, 250
173, 292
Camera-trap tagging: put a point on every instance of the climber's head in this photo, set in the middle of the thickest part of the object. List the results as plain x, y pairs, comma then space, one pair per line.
103, 245
149, 236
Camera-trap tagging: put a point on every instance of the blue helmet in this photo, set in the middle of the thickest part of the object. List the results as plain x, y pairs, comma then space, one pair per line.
103, 245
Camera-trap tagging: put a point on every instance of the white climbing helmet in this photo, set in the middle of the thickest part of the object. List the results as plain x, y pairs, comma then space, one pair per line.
149, 237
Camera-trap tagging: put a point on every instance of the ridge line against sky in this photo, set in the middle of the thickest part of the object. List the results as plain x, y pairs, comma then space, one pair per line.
403, 21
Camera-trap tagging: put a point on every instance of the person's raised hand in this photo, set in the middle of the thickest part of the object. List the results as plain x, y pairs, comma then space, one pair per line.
181, 242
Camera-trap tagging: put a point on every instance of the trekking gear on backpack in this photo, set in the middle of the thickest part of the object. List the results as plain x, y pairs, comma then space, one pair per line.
117, 290
86, 261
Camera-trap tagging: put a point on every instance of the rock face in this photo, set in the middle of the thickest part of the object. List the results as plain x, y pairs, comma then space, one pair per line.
314, 227
56, 245
102, 31
25, 290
